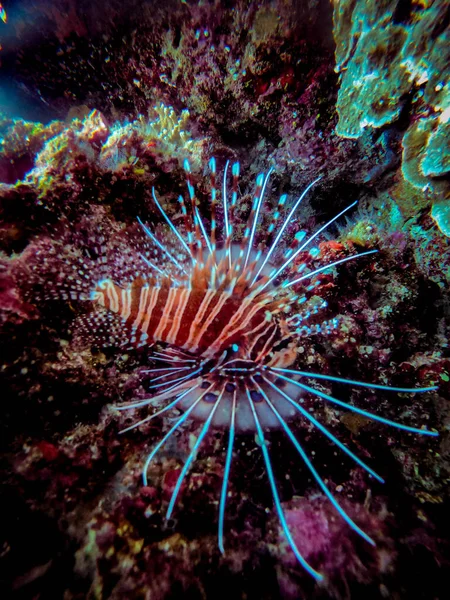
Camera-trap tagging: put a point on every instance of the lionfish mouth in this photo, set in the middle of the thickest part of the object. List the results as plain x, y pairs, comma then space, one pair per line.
233, 391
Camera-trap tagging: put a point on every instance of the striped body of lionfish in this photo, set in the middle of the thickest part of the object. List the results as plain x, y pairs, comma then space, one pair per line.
229, 315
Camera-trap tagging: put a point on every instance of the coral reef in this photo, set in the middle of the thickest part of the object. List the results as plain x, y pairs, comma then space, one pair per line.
127, 103
91, 148
383, 53
163, 136
20, 141
393, 58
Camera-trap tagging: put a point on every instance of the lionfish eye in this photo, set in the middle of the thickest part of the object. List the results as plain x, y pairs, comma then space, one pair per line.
231, 351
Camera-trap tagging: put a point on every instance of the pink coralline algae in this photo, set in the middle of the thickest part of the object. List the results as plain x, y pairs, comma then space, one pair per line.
321, 538
105, 104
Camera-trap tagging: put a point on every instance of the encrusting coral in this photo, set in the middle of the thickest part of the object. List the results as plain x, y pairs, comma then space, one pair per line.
91, 147
393, 59
161, 134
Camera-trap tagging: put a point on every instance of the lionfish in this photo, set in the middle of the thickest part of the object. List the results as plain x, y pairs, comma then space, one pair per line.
230, 314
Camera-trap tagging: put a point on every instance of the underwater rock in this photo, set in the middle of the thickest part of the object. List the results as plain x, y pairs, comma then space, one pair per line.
232, 67
393, 60
65, 160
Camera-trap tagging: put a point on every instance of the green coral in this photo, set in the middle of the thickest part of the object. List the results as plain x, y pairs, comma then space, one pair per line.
366, 96
426, 155
25, 137
436, 162
441, 215
171, 131
388, 54
20, 141
162, 134
381, 61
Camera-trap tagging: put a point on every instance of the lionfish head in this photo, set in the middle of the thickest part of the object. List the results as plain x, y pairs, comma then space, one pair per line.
223, 388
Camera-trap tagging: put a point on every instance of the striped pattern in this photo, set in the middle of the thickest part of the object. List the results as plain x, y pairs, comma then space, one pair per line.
212, 299
199, 320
